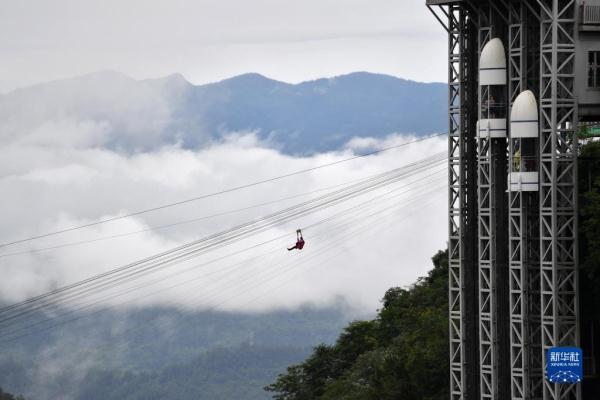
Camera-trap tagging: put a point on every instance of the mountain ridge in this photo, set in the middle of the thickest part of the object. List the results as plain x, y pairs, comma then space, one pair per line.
308, 117
179, 76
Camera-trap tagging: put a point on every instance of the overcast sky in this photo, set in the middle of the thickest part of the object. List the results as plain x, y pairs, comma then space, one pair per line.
208, 40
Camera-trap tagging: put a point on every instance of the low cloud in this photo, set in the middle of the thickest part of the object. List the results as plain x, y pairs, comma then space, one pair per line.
100, 110
354, 258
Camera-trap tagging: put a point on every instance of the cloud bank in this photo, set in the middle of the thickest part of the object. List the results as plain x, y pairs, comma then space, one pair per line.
51, 185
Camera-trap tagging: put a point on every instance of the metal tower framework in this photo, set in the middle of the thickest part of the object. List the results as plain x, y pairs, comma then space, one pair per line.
493, 250
486, 244
531, 245
558, 184
524, 284
460, 23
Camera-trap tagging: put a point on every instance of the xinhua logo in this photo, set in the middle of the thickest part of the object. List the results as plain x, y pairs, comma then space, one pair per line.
564, 365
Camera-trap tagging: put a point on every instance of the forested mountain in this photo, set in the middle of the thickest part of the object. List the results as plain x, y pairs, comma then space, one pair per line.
220, 374
136, 354
113, 110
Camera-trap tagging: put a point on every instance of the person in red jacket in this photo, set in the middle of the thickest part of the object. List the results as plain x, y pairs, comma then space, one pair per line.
299, 241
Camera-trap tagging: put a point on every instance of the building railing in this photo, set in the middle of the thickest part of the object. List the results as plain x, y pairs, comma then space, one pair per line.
590, 14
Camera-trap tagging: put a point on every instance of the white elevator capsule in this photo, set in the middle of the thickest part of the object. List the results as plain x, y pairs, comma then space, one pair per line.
524, 142
492, 90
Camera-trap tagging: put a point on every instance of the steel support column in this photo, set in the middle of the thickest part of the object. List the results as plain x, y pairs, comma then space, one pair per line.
494, 367
558, 183
486, 241
517, 225
525, 354
462, 204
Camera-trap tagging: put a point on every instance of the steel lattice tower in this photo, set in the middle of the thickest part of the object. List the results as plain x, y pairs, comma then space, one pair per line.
492, 203
462, 53
524, 282
513, 249
558, 183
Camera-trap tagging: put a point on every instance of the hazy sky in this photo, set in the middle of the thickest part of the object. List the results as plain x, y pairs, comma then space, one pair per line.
208, 40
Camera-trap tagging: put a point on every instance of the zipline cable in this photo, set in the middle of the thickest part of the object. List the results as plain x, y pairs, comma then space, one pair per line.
351, 231
421, 182
229, 234
205, 196
192, 315
343, 212
388, 221
62, 300
179, 223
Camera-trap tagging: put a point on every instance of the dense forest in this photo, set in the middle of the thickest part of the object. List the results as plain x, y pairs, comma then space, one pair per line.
219, 374
222, 356
403, 352
389, 357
